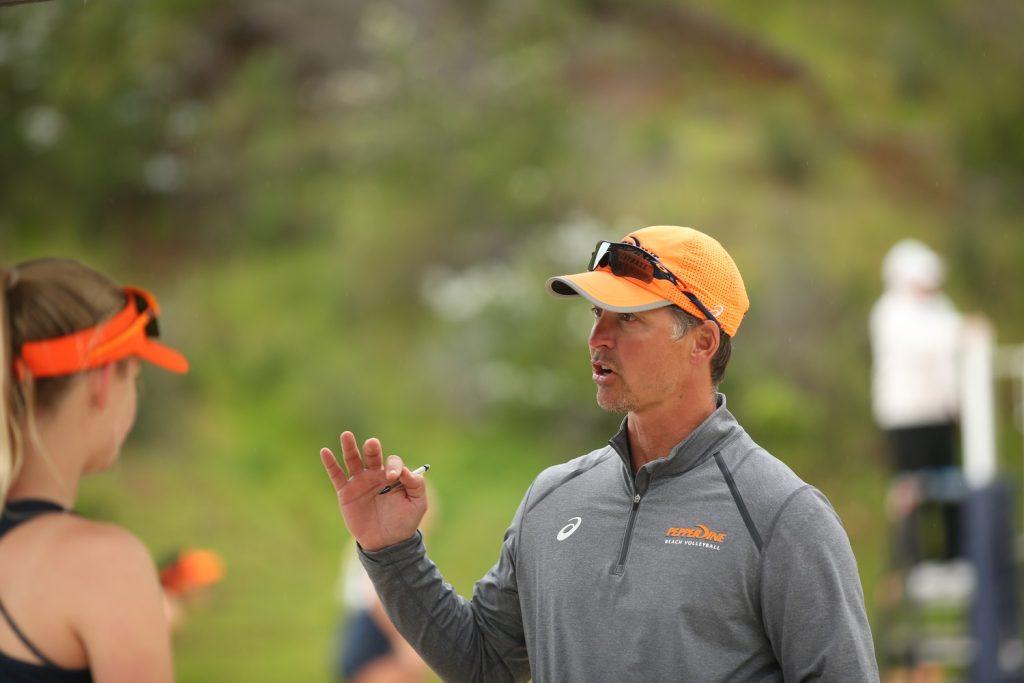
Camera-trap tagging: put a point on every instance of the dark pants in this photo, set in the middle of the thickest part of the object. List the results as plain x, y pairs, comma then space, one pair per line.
923, 447
933, 530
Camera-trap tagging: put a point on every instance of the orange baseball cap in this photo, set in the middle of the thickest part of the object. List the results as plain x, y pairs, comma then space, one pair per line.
659, 266
129, 333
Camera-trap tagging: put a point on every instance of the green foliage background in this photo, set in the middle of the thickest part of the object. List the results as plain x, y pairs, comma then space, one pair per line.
349, 210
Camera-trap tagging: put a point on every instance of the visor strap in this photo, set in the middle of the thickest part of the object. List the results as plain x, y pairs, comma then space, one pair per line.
137, 328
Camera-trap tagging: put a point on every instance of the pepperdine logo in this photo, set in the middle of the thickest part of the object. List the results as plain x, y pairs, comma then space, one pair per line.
701, 533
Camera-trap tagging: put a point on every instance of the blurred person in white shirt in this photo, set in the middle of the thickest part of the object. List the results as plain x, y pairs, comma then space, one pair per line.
915, 338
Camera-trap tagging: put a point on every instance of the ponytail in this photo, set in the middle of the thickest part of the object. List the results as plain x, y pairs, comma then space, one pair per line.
10, 451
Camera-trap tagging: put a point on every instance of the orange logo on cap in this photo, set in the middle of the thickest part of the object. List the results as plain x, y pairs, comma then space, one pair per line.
701, 532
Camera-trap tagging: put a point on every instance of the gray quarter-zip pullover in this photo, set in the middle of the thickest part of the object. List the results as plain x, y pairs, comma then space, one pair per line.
716, 563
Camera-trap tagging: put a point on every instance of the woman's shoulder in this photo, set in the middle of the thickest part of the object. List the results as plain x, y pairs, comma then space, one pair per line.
63, 541
110, 568
99, 551
81, 562
68, 579
112, 599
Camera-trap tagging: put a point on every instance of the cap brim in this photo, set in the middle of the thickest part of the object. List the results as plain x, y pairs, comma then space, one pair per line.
163, 356
607, 291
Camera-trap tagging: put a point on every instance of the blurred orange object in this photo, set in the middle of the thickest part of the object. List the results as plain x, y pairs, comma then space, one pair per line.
194, 568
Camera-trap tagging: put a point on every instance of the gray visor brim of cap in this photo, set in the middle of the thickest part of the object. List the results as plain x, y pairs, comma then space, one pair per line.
562, 287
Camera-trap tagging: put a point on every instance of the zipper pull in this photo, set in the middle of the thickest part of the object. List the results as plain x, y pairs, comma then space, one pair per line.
636, 500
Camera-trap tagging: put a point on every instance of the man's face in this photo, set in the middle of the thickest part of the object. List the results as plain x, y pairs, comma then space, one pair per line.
637, 361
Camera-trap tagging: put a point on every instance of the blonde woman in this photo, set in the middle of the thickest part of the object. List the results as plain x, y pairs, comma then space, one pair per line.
79, 600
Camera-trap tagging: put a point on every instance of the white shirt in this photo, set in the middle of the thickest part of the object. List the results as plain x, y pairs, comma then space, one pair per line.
915, 345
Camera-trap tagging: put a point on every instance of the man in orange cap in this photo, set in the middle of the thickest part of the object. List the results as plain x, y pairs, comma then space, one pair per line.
679, 551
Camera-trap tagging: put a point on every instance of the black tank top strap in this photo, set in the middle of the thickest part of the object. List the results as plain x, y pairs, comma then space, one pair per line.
24, 639
17, 512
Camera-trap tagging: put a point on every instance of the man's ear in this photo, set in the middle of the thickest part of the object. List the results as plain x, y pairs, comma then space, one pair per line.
706, 339
98, 382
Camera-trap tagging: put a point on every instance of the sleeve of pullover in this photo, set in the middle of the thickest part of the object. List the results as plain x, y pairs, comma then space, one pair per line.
477, 640
812, 601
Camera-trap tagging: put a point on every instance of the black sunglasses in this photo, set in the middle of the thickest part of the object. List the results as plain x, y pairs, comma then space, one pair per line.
627, 260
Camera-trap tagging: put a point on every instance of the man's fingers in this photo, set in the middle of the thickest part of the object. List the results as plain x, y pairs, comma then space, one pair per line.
372, 453
393, 467
334, 470
414, 483
350, 450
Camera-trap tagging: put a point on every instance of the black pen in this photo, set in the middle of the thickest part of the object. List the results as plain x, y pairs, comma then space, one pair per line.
399, 485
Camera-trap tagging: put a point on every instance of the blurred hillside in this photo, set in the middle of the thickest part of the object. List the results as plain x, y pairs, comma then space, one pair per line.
349, 211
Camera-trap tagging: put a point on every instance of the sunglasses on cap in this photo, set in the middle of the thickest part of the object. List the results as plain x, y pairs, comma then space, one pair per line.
131, 332
628, 260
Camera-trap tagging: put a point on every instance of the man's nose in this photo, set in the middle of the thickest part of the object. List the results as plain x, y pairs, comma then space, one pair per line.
602, 334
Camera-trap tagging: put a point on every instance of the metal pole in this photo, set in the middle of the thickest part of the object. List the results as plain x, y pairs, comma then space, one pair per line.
977, 411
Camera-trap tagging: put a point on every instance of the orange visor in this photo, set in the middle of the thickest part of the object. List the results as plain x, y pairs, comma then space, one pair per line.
129, 333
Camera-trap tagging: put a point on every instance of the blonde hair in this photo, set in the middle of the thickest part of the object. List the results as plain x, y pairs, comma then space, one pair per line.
42, 299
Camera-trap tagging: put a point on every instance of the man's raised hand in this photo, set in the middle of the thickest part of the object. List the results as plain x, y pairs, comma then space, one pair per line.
376, 521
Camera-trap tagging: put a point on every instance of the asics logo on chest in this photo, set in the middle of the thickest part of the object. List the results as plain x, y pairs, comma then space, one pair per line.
567, 530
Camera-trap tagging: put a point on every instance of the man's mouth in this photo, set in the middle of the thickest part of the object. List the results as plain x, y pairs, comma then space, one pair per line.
601, 370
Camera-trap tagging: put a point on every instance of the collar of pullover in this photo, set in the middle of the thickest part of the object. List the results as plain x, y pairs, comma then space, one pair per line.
709, 436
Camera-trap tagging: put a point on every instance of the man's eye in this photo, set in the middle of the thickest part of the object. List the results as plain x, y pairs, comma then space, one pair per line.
626, 317
596, 311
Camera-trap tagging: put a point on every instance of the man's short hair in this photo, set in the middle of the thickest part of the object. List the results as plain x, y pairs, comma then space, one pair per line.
686, 322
